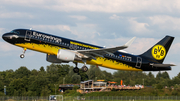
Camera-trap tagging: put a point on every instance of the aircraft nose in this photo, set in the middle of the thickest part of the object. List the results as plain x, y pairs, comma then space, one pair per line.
5, 36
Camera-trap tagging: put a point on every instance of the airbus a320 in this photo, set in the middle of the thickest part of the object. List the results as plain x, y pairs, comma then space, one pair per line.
63, 50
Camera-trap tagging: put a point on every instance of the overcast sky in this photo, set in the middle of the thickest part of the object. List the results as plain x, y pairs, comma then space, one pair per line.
101, 22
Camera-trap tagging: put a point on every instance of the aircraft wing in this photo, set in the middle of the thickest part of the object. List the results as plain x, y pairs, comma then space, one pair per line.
102, 51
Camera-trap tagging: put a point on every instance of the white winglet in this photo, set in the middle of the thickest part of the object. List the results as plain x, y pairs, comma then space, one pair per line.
130, 42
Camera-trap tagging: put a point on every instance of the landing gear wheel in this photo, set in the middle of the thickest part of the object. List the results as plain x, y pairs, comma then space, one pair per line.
76, 70
22, 56
84, 69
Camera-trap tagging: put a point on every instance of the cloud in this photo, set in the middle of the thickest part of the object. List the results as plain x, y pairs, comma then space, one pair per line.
53, 27
80, 31
137, 27
15, 15
1, 31
84, 31
140, 45
67, 30
114, 17
6, 47
165, 22
78, 17
23, 2
175, 48
115, 6
90, 25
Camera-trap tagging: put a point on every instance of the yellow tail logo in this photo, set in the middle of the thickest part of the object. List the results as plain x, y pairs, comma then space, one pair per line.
158, 52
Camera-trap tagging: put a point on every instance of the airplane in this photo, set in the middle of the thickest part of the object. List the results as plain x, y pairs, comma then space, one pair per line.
63, 50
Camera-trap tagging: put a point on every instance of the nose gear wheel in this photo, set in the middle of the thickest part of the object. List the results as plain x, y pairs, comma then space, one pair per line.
22, 55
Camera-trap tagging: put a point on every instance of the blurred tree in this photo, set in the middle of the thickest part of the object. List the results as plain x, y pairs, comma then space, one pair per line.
108, 76
158, 76
42, 69
22, 72
45, 91
83, 75
95, 73
75, 79
165, 75
72, 77
36, 83
63, 70
34, 72
1, 86
16, 87
150, 79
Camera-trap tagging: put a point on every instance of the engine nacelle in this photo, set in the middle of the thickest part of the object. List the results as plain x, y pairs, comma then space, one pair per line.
52, 59
65, 55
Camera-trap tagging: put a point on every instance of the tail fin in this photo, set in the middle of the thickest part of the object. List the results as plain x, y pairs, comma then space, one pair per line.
158, 52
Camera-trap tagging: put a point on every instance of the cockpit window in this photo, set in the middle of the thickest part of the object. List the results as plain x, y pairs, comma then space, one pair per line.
15, 32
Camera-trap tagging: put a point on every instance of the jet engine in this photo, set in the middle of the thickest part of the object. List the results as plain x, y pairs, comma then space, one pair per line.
52, 59
65, 55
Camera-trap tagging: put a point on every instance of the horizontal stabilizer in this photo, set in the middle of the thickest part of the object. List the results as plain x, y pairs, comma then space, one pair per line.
162, 65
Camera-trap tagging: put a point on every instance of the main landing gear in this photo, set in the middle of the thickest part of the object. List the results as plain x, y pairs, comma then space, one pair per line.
84, 68
22, 55
76, 69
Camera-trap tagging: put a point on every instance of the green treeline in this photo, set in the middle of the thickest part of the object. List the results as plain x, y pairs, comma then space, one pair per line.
25, 82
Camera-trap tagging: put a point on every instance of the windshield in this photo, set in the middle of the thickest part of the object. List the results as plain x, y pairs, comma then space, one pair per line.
15, 32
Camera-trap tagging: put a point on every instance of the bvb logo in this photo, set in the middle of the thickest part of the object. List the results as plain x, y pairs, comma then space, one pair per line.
158, 52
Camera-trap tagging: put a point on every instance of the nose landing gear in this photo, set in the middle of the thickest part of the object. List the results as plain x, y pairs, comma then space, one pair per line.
22, 55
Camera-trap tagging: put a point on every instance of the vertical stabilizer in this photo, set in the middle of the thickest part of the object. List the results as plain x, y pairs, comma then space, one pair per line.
158, 52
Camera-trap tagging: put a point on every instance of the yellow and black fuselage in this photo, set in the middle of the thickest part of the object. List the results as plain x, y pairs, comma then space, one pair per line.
50, 44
